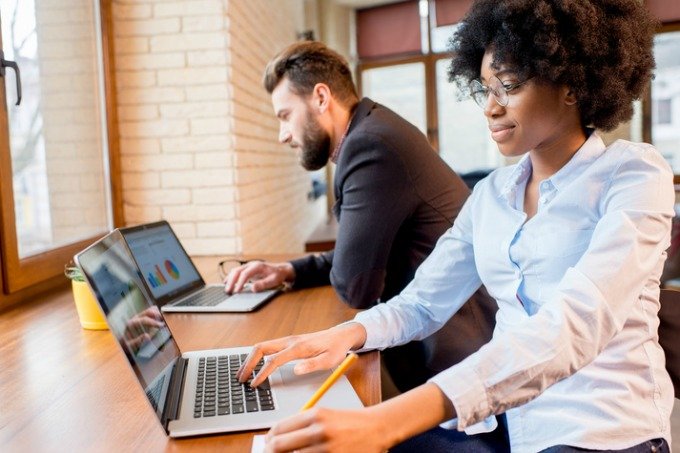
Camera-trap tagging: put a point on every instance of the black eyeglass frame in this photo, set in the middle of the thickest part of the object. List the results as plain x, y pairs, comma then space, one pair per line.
220, 265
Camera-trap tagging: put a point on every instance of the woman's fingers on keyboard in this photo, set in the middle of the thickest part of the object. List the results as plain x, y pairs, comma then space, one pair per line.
276, 353
259, 351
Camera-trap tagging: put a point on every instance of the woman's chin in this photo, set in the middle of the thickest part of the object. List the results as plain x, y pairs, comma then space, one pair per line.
509, 151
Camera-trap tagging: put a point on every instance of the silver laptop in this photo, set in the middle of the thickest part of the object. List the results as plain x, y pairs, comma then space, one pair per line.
195, 392
172, 279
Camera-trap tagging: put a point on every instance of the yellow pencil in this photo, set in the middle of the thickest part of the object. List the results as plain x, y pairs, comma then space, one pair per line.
339, 371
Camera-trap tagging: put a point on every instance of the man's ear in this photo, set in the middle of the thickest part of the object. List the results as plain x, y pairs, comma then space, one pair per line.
321, 97
570, 97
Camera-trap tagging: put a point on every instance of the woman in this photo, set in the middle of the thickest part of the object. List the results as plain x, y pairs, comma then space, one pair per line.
570, 242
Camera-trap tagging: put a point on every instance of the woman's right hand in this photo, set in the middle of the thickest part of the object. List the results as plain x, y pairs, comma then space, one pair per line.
319, 350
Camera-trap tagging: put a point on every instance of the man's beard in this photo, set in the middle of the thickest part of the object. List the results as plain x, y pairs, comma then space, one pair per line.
315, 145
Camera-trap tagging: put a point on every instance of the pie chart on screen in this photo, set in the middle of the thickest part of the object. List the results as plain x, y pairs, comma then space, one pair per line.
172, 269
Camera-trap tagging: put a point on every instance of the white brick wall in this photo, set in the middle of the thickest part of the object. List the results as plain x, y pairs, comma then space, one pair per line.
273, 211
197, 133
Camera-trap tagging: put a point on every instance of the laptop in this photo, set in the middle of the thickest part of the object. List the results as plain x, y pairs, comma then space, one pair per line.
172, 279
195, 392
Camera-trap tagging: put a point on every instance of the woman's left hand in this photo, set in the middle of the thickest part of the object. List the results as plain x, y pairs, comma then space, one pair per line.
321, 429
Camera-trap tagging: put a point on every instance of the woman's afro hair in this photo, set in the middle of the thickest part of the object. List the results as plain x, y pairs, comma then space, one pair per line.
601, 49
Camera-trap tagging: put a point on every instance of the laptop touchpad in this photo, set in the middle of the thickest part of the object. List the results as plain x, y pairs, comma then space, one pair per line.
289, 377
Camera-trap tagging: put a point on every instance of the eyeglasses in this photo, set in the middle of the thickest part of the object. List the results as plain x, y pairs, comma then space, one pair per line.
500, 90
224, 266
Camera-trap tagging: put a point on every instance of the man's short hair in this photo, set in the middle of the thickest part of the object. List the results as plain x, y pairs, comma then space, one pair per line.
307, 63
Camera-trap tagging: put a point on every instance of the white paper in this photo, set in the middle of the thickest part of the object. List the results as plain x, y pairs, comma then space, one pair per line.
258, 444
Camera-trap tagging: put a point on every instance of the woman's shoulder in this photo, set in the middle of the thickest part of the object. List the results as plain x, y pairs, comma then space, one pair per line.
627, 155
631, 150
638, 176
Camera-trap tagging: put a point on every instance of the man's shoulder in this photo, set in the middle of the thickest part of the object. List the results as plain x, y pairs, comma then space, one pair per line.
380, 129
383, 139
378, 120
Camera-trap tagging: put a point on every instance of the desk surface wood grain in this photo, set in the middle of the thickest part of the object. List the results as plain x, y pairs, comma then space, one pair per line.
63, 388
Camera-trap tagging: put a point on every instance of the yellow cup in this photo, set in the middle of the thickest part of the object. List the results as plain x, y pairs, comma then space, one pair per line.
88, 308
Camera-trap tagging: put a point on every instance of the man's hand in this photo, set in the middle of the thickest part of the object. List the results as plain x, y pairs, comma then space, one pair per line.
261, 276
321, 351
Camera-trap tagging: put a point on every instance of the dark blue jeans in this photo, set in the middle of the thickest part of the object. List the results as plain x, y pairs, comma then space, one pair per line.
450, 440
447, 440
651, 446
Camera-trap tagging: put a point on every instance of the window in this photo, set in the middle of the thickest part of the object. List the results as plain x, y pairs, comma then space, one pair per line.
400, 87
416, 86
55, 186
665, 97
662, 111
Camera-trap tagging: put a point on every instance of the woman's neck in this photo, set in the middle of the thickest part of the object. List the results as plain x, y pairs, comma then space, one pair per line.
548, 159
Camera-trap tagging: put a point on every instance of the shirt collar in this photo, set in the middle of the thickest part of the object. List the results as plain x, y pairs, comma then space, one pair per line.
336, 152
359, 111
589, 151
517, 177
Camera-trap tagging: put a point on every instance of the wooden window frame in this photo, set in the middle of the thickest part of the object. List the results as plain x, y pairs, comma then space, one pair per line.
431, 107
21, 274
430, 62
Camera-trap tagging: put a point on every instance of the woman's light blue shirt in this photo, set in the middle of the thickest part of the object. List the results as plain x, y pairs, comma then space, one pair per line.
575, 357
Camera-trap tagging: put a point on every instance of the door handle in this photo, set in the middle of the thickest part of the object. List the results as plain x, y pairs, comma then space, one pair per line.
11, 64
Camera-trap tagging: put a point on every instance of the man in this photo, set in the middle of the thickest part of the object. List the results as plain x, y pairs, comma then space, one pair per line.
395, 198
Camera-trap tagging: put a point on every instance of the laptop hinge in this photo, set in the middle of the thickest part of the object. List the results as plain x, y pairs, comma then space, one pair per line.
171, 411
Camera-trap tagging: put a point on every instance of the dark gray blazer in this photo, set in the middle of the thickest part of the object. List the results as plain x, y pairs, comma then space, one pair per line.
395, 198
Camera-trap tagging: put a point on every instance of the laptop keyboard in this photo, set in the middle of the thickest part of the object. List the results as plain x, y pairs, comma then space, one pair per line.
207, 297
218, 392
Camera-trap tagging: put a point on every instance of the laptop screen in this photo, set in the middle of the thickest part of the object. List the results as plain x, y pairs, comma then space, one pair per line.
165, 266
133, 319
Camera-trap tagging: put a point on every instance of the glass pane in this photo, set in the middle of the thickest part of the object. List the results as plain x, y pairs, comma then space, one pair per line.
400, 88
441, 36
56, 134
464, 140
666, 98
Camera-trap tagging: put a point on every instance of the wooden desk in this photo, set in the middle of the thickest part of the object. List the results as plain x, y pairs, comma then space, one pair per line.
63, 388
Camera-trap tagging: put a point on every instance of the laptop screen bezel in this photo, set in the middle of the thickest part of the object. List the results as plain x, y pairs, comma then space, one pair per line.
179, 292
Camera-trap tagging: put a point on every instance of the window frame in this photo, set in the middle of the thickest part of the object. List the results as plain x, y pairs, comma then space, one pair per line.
429, 62
647, 124
20, 274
